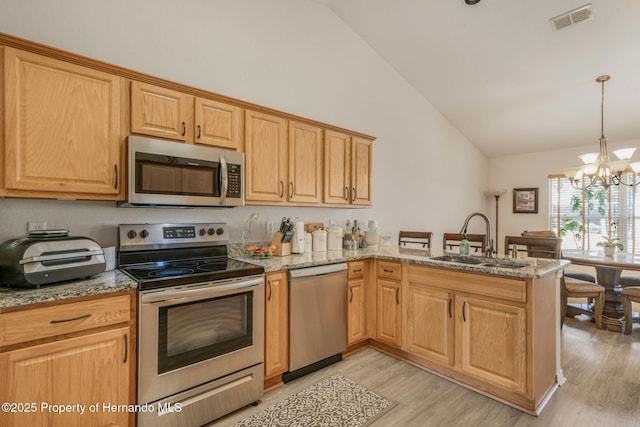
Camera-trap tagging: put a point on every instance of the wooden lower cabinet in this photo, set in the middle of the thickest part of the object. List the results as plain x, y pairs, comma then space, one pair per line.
388, 312
356, 303
83, 371
429, 324
491, 342
276, 355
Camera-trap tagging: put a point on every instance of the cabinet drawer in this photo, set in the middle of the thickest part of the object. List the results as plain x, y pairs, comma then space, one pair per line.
356, 269
389, 270
28, 325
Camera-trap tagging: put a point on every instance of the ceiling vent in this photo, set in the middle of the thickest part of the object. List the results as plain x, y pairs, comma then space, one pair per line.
572, 17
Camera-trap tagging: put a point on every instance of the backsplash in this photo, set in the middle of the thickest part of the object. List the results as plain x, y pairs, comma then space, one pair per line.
100, 220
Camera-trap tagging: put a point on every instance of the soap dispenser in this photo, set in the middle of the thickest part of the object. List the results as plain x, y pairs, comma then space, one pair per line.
464, 246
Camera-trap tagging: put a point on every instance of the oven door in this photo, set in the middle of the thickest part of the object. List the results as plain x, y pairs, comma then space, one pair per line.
189, 335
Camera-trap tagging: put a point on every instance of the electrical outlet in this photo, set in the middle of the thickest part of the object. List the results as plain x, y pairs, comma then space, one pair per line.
36, 225
268, 227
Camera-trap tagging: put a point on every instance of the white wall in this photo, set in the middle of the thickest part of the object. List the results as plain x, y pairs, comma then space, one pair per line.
532, 170
291, 55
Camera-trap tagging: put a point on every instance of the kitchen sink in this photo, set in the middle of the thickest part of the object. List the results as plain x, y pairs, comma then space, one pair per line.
480, 261
460, 259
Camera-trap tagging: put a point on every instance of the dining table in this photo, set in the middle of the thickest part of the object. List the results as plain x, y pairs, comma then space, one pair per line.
608, 272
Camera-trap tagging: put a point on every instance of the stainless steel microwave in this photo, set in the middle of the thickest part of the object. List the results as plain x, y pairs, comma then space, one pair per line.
166, 173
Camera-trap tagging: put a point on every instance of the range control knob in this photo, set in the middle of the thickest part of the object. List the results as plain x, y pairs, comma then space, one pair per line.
220, 231
132, 234
144, 234
211, 231
202, 232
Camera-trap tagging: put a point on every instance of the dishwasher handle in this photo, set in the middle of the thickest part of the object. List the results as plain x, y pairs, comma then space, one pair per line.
318, 271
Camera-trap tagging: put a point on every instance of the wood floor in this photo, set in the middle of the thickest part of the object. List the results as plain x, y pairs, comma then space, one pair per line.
602, 388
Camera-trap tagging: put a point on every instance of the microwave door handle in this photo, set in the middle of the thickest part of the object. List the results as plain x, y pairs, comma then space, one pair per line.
224, 181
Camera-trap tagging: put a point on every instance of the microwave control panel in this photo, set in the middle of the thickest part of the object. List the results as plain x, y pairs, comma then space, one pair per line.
235, 182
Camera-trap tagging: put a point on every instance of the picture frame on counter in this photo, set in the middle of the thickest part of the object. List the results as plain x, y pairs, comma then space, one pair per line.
525, 200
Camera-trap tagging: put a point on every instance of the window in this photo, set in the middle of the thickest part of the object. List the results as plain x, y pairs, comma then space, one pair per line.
581, 218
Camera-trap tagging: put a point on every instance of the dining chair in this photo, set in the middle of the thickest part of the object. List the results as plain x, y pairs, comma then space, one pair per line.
415, 239
451, 241
580, 275
550, 247
627, 296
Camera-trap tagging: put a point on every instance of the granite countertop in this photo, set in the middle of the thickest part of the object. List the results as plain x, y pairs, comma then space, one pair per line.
534, 269
115, 281
104, 283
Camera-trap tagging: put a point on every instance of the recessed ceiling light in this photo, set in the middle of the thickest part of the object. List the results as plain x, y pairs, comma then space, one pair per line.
471, 2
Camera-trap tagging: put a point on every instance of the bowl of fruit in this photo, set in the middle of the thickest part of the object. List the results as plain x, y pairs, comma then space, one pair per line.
260, 251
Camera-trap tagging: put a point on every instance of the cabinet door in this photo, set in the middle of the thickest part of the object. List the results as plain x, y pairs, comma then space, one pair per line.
266, 157
337, 167
156, 111
305, 163
88, 370
429, 324
388, 312
218, 124
360, 171
491, 342
63, 130
276, 358
356, 320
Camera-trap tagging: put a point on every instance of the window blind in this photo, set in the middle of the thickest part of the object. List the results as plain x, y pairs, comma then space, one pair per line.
582, 218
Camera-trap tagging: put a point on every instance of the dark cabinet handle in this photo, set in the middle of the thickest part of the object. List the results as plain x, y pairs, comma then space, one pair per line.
357, 271
281, 189
397, 299
388, 271
346, 193
351, 297
353, 194
269, 283
126, 348
199, 132
464, 318
84, 316
115, 173
449, 307
184, 128
291, 186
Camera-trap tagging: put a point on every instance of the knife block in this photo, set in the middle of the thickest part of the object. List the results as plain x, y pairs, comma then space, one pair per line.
282, 249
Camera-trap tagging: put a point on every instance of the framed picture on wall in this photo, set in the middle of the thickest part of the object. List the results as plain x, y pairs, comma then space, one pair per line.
525, 200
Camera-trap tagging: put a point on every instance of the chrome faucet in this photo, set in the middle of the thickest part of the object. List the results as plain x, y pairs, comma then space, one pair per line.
489, 249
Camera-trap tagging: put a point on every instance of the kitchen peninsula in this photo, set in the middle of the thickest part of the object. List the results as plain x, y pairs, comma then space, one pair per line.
490, 326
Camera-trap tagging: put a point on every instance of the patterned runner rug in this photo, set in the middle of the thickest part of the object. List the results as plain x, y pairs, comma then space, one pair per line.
335, 401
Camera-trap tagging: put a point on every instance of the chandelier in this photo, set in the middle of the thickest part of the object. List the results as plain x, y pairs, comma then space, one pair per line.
598, 168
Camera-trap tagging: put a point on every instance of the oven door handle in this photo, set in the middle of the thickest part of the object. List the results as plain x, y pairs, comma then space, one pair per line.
188, 294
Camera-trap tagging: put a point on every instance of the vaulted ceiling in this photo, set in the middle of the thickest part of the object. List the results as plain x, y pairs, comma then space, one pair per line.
503, 75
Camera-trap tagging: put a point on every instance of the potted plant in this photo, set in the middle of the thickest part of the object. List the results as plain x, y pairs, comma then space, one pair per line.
610, 244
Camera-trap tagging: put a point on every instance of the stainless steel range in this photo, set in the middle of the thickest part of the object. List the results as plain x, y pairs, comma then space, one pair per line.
200, 323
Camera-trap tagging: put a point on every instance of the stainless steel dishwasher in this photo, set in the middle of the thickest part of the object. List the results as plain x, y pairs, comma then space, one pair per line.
317, 318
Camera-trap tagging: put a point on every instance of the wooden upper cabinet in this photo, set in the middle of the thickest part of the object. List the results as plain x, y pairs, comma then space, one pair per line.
156, 111
347, 169
337, 167
305, 163
166, 113
218, 124
360, 171
266, 158
62, 129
